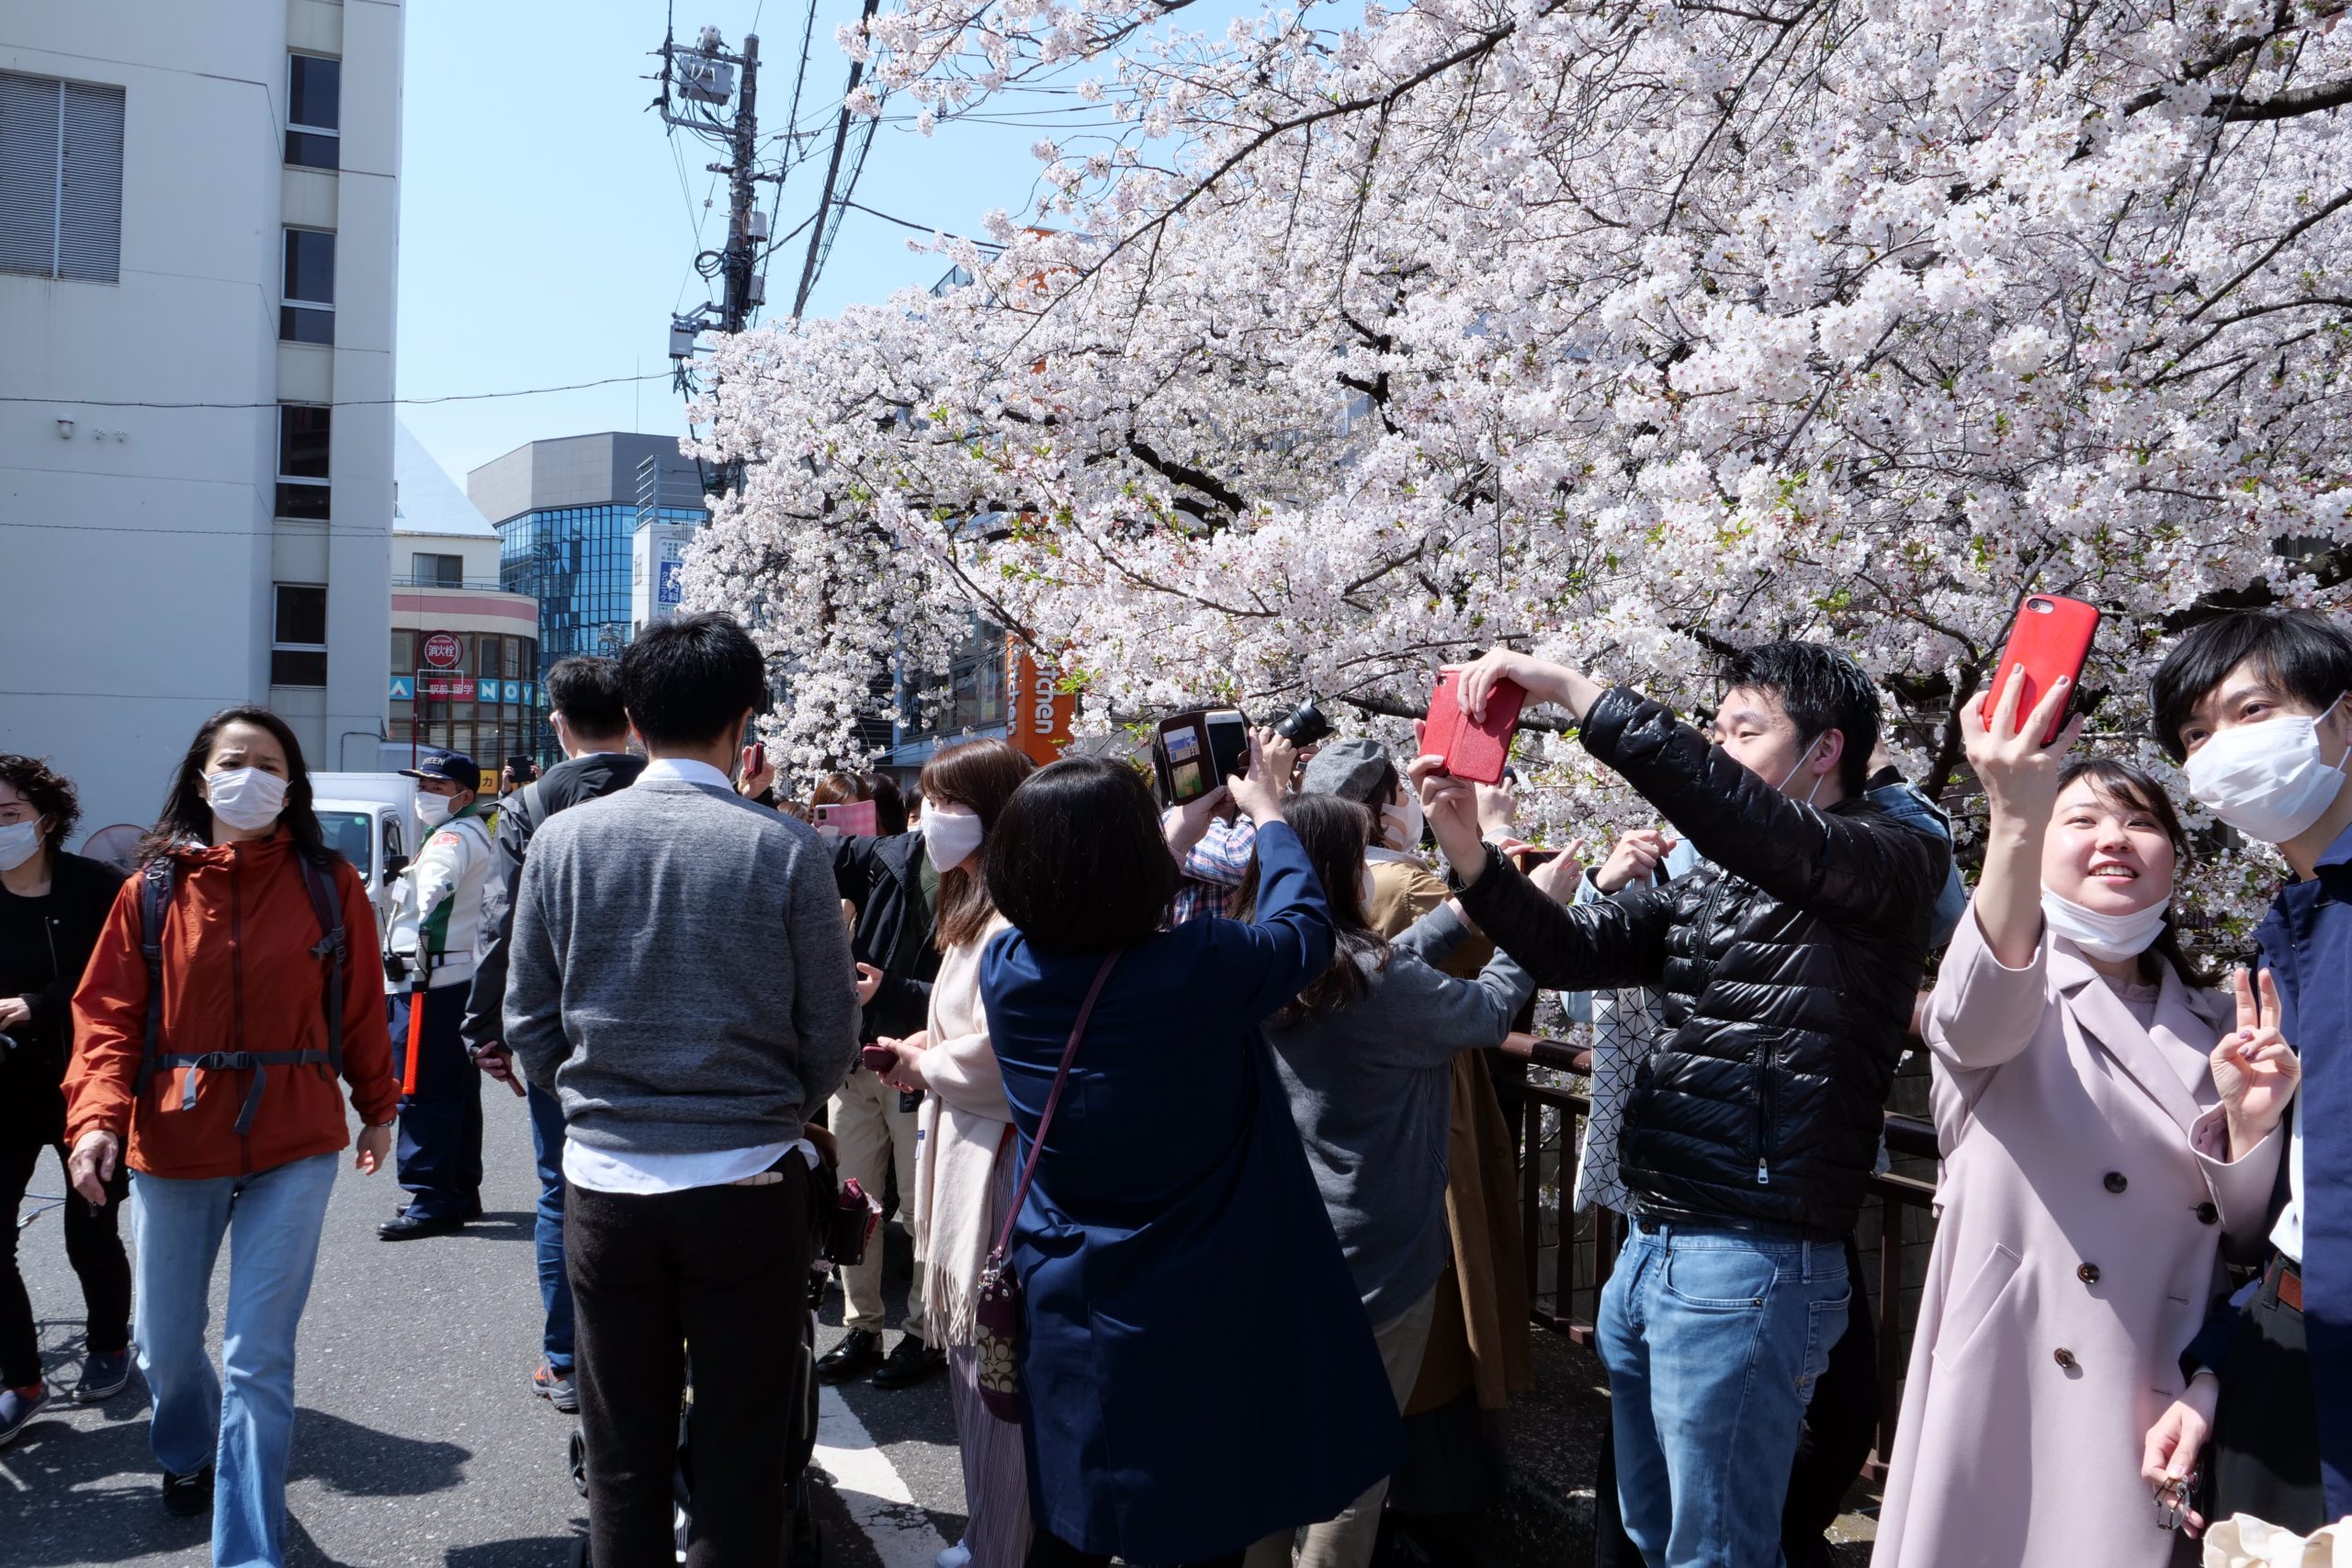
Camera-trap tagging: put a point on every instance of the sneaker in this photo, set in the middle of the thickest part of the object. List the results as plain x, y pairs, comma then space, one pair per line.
556, 1388
190, 1496
956, 1556
19, 1406
860, 1350
102, 1377
910, 1361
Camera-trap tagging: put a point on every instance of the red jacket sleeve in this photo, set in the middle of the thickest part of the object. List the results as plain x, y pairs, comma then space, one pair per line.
366, 1040
109, 1026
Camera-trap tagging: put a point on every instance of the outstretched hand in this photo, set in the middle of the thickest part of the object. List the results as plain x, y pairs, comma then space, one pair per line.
2019, 773
1451, 807
1258, 791
2254, 1067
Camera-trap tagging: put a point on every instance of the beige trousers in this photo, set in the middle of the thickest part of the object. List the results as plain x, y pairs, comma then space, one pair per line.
875, 1135
1346, 1541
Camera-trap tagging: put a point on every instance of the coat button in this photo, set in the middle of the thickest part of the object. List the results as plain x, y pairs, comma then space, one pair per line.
2064, 1358
2206, 1214
2087, 1273
2116, 1181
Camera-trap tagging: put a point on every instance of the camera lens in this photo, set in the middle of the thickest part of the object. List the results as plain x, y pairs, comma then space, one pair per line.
1304, 725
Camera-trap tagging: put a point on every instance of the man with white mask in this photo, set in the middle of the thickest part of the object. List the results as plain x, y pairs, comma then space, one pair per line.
429, 957
2253, 703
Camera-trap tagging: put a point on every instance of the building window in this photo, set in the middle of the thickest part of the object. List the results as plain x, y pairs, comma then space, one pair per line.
307, 314
437, 571
298, 651
61, 178
313, 111
303, 435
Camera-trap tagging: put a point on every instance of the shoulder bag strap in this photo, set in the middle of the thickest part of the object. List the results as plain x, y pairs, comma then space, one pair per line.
1061, 1076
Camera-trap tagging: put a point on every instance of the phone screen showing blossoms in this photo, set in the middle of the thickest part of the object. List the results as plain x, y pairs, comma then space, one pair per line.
1184, 764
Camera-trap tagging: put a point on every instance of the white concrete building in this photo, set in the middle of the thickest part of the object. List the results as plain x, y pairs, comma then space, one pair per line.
199, 212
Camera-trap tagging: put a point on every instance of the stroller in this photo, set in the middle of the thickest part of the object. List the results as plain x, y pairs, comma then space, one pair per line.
842, 1220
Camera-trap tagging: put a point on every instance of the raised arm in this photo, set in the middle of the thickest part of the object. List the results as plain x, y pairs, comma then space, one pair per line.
1263, 962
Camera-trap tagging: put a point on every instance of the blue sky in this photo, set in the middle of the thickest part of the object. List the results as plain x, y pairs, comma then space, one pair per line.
545, 238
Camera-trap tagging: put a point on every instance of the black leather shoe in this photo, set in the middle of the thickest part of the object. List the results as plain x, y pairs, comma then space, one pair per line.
910, 1361
859, 1351
410, 1227
190, 1497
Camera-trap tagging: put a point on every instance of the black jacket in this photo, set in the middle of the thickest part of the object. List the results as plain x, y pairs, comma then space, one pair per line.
1790, 963
564, 785
884, 878
81, 894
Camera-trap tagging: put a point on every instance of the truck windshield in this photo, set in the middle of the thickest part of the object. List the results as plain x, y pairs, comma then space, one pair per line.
350, 834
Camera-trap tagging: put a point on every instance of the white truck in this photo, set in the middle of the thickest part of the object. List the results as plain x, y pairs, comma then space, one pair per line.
367, 818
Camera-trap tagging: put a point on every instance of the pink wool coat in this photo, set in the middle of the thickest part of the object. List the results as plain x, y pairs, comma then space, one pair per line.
2077, 1252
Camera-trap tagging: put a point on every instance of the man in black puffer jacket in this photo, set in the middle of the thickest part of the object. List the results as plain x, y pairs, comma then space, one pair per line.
1789, 963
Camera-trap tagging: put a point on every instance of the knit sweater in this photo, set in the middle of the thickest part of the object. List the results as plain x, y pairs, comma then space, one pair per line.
679, 974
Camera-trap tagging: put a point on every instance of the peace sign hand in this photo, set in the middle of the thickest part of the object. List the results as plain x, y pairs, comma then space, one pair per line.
2255, 1069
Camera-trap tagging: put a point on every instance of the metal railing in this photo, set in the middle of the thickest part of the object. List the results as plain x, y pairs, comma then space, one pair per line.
1584, 1246
470, 584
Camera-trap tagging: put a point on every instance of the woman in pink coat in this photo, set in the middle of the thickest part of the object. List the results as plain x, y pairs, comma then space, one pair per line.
2078, 1235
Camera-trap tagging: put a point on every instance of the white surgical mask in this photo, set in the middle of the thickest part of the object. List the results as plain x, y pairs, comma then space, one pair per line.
950, 834
1801, 761
2267, 779
18, 842
2111, 937
1402, 824
245, 798
432, 809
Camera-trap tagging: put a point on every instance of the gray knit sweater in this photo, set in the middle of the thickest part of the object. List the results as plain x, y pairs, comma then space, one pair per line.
680, 974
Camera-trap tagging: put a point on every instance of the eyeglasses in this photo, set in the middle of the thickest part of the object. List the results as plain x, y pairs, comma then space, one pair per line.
2172, 1502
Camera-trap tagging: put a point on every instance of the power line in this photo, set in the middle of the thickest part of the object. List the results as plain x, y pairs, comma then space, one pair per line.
344, 402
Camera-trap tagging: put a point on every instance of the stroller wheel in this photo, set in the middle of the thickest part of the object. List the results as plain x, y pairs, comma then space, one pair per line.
577, 1457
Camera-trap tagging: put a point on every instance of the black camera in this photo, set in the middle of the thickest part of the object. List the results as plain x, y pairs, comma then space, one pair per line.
1303, 725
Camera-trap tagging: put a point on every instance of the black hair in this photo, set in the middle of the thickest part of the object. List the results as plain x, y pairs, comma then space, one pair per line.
690, 682
2297, 653
1820, 689
889, 805
1077, 861
49, 792
187, 817
2130, 785
1335, 832
587, 691
981, 776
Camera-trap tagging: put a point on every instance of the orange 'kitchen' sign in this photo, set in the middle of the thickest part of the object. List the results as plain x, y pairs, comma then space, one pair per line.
1040, 715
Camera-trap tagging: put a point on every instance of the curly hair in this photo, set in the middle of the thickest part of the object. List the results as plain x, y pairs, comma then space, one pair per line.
46, 791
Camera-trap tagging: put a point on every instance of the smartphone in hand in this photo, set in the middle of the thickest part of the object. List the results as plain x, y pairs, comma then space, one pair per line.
2050, 642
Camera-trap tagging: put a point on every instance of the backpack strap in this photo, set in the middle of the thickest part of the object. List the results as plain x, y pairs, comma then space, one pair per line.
157, 880
334, 946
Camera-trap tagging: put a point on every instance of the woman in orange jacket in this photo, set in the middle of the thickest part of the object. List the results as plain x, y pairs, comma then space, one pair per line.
214, 1017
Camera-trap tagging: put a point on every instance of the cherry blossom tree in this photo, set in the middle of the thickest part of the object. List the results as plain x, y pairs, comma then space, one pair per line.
1626, 331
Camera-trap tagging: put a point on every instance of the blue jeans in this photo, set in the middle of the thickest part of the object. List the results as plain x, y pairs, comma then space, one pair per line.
1713, 1339
555, 1285
274, 1216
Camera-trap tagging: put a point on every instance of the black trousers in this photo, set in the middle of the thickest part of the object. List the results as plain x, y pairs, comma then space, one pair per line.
2266, 1428
1047, 1550
440, 1140
1840, 1425
718, 1273
92, 1246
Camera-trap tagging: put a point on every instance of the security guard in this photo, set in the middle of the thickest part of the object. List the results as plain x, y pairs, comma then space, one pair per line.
429, 969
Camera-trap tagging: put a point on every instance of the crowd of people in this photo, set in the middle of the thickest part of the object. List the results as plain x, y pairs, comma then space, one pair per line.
1196, 1120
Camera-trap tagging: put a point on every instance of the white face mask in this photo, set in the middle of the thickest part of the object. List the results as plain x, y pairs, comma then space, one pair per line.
1364, 885
2266, 780
18, 842
2110, 937
432, 809
1801, 761
951, 835
1402, 824
245, 798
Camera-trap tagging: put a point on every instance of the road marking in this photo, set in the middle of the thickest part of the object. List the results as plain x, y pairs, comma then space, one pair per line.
869, 1486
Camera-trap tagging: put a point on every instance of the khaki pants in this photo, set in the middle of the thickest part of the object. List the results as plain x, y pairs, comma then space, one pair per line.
876, 1135
1346, 1541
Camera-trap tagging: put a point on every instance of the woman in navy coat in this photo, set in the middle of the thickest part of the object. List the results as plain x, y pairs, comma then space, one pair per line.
1196, 1369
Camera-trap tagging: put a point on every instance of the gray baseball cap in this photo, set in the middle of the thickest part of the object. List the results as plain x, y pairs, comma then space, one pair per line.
1351, 769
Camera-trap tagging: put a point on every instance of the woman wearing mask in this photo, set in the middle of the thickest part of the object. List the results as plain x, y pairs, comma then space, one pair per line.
51, 905
964, 1167
220, 1077
1363, 1053
2079, 1240
1160, 1424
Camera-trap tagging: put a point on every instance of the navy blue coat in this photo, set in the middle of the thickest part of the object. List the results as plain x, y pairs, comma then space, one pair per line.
1196, 1370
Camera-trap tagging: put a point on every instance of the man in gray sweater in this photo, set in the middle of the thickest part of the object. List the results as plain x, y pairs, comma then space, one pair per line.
680, 979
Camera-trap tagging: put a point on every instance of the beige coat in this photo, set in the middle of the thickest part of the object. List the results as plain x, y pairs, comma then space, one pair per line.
966, 1128
2075, 1255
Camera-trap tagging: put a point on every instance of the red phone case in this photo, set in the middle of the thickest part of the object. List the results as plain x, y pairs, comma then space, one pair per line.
1477, 751
2052, 640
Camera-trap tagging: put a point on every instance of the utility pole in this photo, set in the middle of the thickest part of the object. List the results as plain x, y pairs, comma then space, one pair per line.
736, 311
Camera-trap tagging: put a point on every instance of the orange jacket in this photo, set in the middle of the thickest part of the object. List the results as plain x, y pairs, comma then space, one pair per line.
237, 974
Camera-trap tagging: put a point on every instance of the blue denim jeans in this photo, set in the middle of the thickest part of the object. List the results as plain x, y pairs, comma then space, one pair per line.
272, 1219
1713, 1339
555, 1286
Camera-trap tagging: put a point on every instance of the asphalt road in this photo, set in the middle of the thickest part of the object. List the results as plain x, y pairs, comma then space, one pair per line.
417, 1440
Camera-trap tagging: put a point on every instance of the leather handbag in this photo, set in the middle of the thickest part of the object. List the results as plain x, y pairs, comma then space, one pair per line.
996, 1309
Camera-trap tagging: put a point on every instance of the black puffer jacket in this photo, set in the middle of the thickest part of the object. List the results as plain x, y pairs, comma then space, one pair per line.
884, 878
1790, 963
